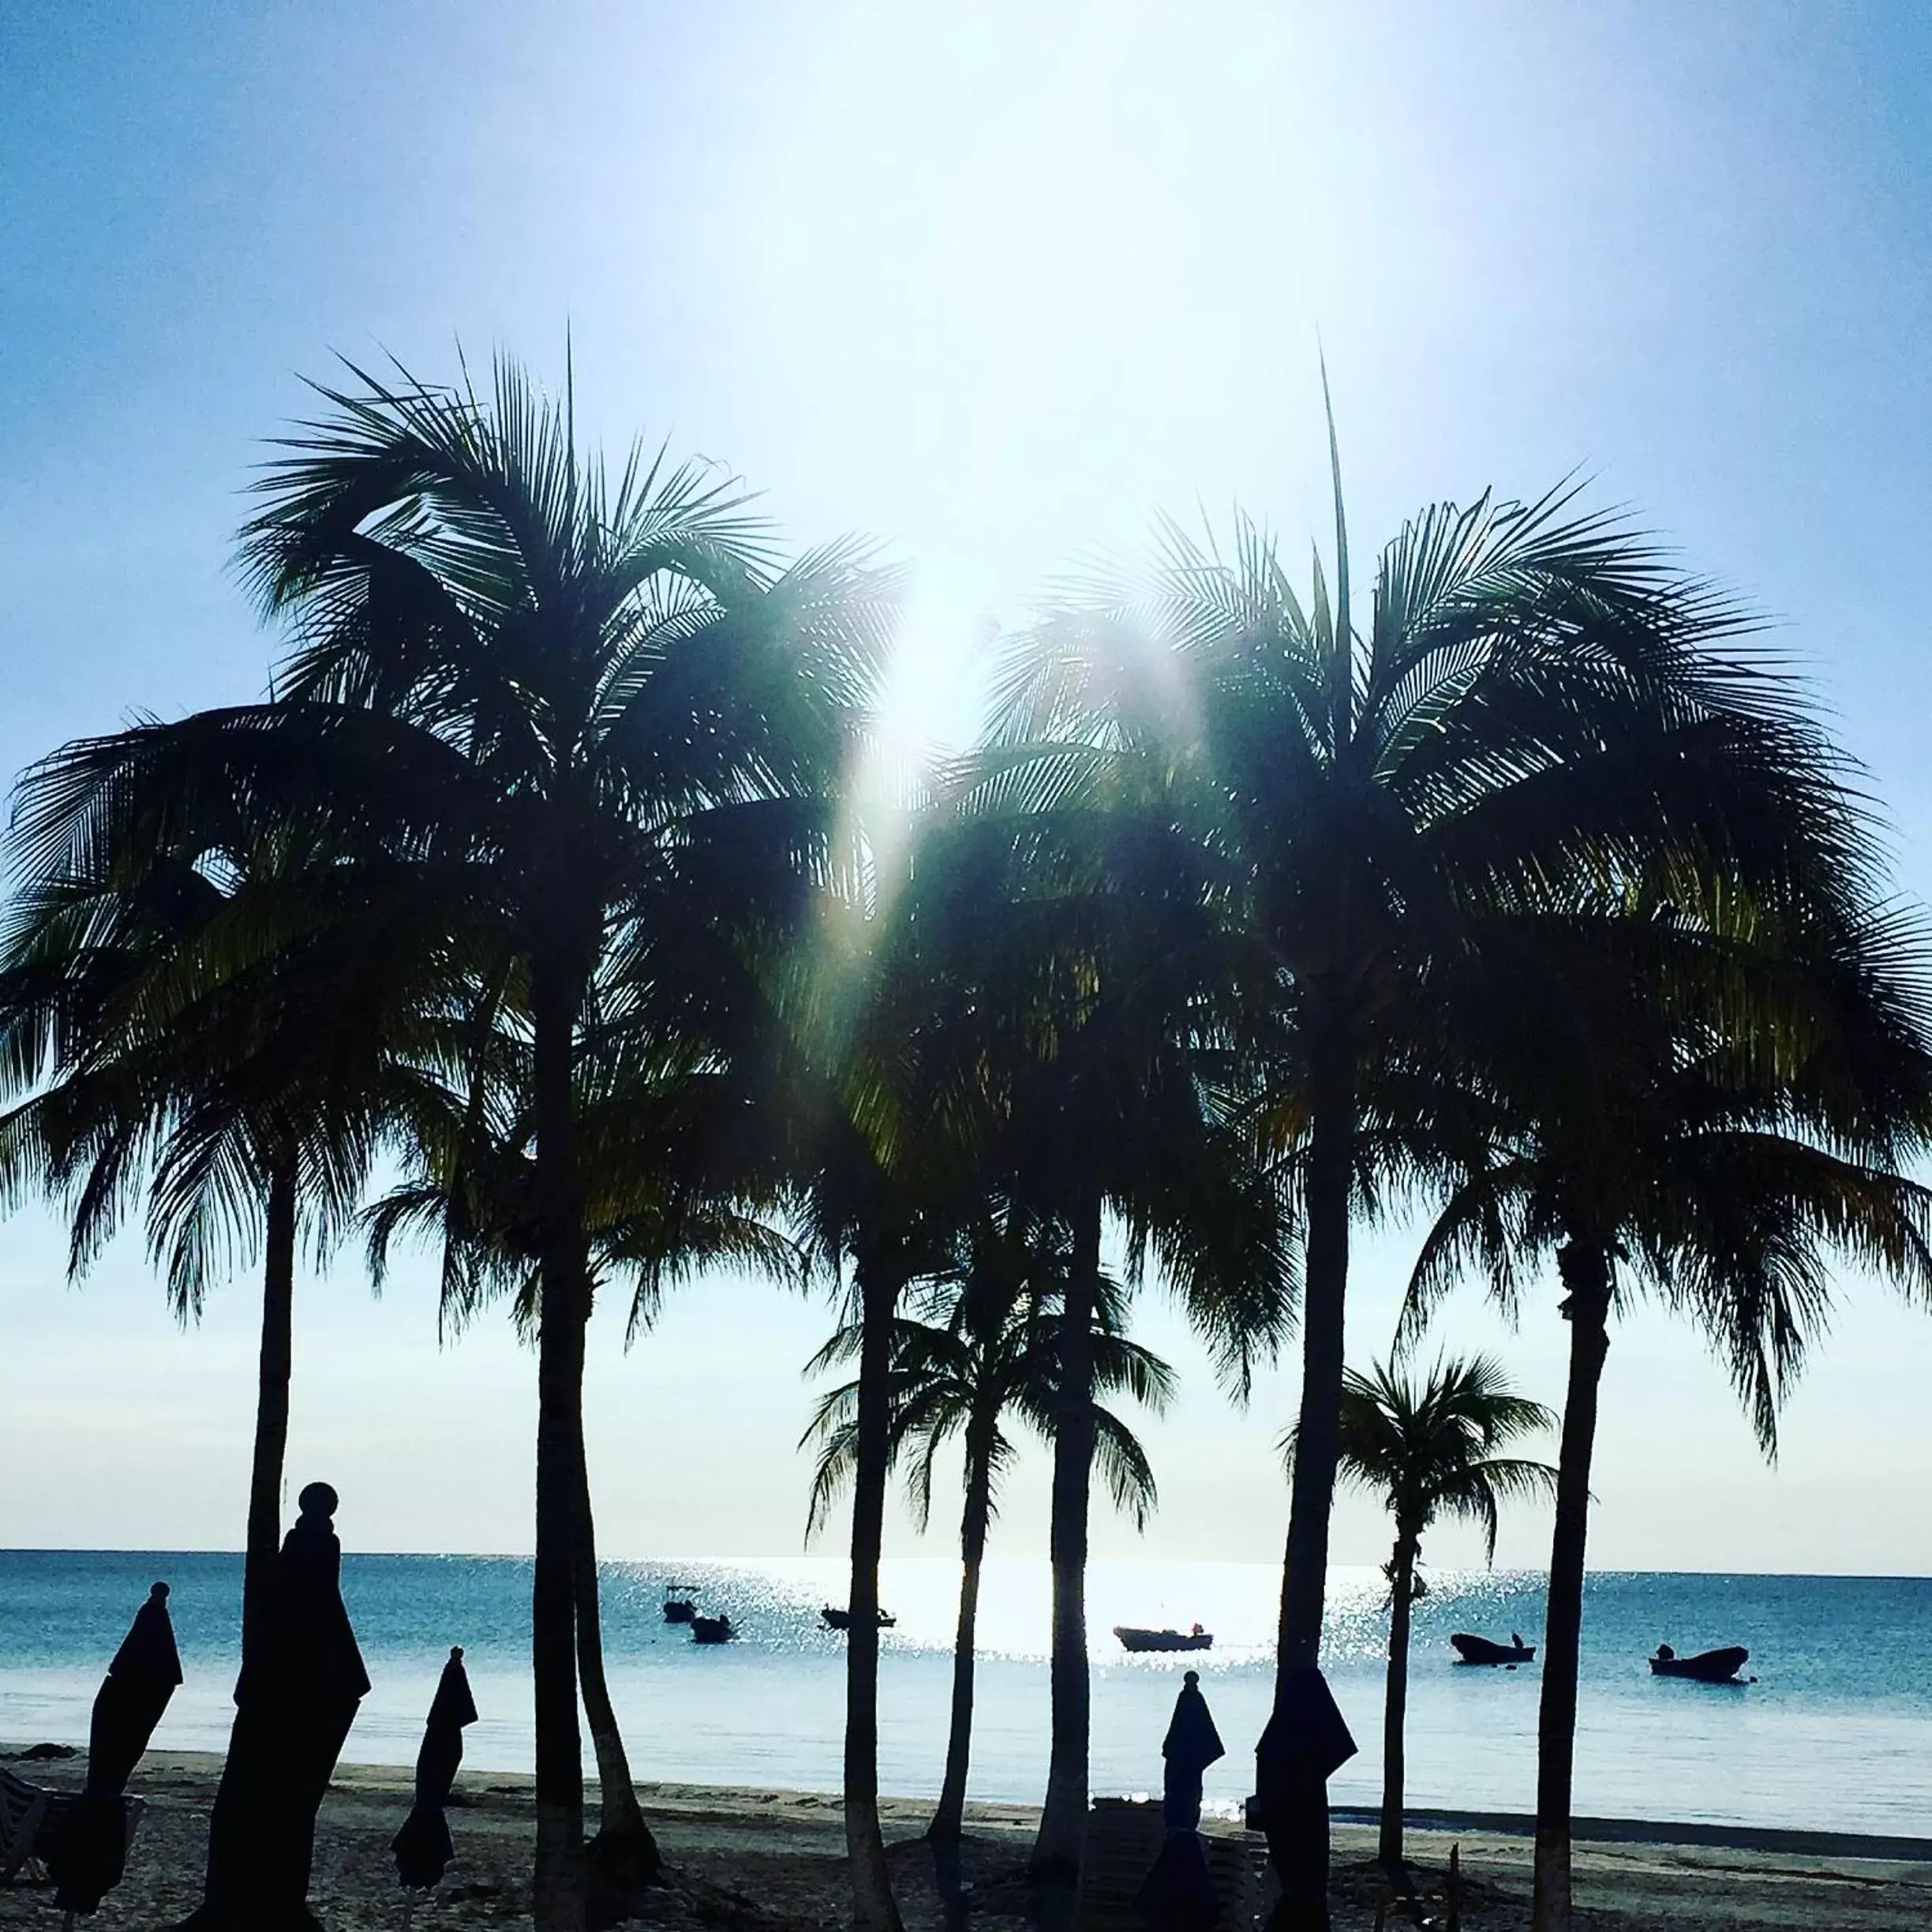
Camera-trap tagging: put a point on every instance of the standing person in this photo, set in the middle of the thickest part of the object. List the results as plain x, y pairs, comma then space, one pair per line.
295, 1699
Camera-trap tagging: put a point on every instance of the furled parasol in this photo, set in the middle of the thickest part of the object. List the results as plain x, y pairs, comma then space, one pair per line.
422, 1847
89, 1851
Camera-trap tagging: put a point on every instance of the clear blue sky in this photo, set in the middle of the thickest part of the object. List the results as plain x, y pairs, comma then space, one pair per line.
993, 282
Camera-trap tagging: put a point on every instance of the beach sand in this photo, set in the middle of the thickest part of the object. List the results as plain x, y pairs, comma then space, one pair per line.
770, 1860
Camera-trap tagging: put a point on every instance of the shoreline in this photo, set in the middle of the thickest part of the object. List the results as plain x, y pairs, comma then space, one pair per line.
744, 1858
1882, 1847
680, 1796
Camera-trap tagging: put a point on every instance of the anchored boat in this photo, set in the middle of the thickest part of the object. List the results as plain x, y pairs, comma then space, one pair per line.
1481, 1650
1706, 1667
1133, 1639
838, 1619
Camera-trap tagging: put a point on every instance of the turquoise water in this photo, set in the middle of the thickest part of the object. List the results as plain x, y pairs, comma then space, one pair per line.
1837, 1733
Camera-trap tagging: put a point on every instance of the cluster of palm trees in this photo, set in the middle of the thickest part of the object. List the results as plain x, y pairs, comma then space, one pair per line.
1528, 890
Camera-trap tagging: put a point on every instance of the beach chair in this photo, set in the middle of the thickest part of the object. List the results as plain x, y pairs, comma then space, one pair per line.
22, 1812
1124, 1838
29, 1817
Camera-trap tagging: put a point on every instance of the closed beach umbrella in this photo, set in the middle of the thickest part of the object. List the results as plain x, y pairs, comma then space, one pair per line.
1305, 1742
422, 1847
1191, 1746
1178, 1895
89, 1851
295, 1699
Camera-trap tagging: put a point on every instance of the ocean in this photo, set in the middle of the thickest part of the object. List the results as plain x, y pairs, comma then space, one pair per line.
1836, 1734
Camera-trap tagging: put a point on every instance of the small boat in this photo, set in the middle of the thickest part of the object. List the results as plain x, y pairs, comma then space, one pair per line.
712, 1630
1706, 1667
1133, 1639
1481, 1650
838, 1619
679, 1609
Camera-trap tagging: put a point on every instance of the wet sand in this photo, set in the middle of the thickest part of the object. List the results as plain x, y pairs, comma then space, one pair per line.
773, 1861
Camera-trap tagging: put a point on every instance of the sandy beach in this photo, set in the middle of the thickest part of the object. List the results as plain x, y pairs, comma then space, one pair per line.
772, 1861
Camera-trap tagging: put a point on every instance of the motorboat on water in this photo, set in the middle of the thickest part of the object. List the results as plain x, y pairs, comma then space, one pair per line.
1133, 1638
679, 1609
716, 1629
1470, 1649
1707, 1667
838, 1619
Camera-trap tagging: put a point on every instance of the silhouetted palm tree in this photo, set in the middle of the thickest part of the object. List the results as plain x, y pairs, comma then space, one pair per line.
208, 1012
1539, 705
1430, 1449
985, 1346
1088, 933
1680, 1109
600, 722
658, 1210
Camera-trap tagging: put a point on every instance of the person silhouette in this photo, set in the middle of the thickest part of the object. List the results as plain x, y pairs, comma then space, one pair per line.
295, 1698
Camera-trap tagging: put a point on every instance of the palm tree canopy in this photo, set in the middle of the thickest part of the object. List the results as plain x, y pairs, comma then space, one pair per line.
1542, 713
590, 707
1431, 1445
1540, 695
1084, 955
187, 1002
668, 1189
982, 1343
1722, 1110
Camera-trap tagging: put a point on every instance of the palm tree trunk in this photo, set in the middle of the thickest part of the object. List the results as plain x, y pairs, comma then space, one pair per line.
1297, 1823
557, 1883
1063, 1818
1395, 1705
948, 1819
624, 1851
271, 1397
1586, 1275
873, 1907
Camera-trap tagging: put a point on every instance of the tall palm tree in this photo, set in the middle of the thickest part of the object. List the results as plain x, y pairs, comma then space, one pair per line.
657, 1212
1431, 1449
1673, 1107
1091, 942
600, 719
1539, 702
985, 1345
203, 1008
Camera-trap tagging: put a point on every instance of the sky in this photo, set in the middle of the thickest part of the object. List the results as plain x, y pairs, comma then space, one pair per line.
993, 284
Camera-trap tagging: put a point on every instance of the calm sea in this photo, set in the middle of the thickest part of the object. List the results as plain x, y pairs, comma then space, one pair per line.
1836, 1734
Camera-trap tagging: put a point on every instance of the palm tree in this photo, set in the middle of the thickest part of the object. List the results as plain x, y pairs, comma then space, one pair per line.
657, 1212
987, 1344
206, 1008
1430, 1448
1676, 1107
1540, 702
602, 723
1089, 939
